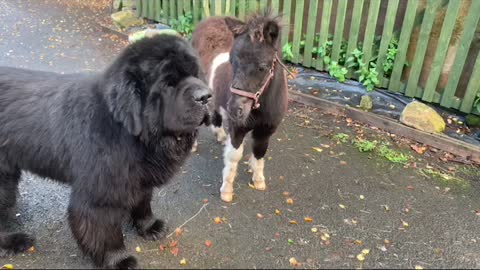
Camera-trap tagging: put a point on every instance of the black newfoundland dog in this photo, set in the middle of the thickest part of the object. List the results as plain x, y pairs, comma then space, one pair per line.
112, 137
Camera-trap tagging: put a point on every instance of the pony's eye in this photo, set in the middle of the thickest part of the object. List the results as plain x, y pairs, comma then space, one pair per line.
262, 68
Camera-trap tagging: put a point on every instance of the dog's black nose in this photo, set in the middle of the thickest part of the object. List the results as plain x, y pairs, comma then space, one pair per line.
202, 96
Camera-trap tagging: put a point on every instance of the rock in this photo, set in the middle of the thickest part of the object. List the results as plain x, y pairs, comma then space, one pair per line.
422, 117
128, 4
473, 120
126, 19
366, 103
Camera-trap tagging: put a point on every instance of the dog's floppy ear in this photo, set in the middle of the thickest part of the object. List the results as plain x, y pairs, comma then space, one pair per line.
125, 103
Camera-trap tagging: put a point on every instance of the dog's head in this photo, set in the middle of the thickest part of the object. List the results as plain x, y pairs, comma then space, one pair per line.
156, 87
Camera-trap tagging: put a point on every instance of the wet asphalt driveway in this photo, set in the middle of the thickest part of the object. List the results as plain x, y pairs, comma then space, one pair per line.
344, 201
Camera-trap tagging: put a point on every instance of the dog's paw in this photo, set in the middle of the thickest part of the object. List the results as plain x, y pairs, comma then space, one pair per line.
154, 231
128, 263
17, 242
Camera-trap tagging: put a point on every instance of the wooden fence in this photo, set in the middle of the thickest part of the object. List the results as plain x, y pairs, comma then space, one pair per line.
428, 49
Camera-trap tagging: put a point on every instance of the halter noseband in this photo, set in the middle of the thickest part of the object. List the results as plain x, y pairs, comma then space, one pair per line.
256, 96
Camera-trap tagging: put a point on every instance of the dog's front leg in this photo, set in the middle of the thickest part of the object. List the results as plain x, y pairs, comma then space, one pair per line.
144, 221
98, 231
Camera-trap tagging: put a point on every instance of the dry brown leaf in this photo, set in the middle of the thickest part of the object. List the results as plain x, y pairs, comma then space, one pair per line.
289, 201
308, 219
208, 243
217, 220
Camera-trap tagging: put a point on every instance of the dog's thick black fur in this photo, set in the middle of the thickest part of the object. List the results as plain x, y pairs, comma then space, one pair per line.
112, 137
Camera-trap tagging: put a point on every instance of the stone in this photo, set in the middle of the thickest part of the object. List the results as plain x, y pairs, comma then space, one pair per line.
473, 120
422, 117
366, 103
126, 19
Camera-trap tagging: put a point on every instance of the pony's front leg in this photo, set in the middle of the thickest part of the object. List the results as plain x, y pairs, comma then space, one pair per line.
260, 138
232, 154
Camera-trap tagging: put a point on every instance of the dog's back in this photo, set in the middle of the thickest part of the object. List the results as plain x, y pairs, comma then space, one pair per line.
30, 102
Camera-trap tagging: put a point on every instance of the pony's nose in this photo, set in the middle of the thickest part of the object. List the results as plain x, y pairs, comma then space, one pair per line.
202, 96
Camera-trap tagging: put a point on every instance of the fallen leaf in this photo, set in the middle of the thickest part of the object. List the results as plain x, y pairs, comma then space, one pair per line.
418, 267
386, 208
404, 224
361, 257
205, 200
217, 220
293, 261
178, 231
162, 247
174, 251
293, 222
277, 212
286, 193
365, 251
342, 162
317, 149
7, 266
410, 188
289, 201
342, 206
362, 197
281, 178
477, 212
208, 243
358, 242
138, 249
172, 244
259, 215
290, 241
418, 149
277, 235
314, 230
308, 219
325, 236
183, 261
31, 249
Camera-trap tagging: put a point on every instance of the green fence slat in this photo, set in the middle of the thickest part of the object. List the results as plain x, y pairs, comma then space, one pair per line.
275, 7
179, 8
354, 30
473, 88
310, 39
251, 7
421, 48
468, 33
387, 35
173, 10
441, 51
297, 30
196, 7
403, 42
287, 7
138, 4
187, 5
151, 10
370, 30
242, 9
230, 7
263, 5
326, 12
218, 7
157, 10
338, 34
144, 8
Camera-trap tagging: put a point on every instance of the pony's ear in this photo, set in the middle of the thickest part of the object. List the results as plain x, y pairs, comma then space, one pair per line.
271, 32
124, 102
236, 26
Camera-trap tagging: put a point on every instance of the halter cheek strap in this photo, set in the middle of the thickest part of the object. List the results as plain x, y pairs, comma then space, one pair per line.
256, 96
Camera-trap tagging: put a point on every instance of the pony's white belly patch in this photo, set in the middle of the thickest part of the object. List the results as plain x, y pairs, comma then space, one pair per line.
217, 61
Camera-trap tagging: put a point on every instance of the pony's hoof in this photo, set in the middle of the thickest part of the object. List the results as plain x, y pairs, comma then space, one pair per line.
226, 196
258, 185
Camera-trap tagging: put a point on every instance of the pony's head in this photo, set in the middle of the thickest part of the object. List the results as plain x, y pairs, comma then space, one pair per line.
253, 54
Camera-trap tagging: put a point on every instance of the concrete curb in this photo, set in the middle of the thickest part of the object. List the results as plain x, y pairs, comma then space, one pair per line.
440, 141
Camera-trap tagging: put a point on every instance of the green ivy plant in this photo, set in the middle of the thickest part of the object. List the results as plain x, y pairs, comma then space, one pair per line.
390, 57
287, 52
476, 104
337, 71
183, 25
368, 76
